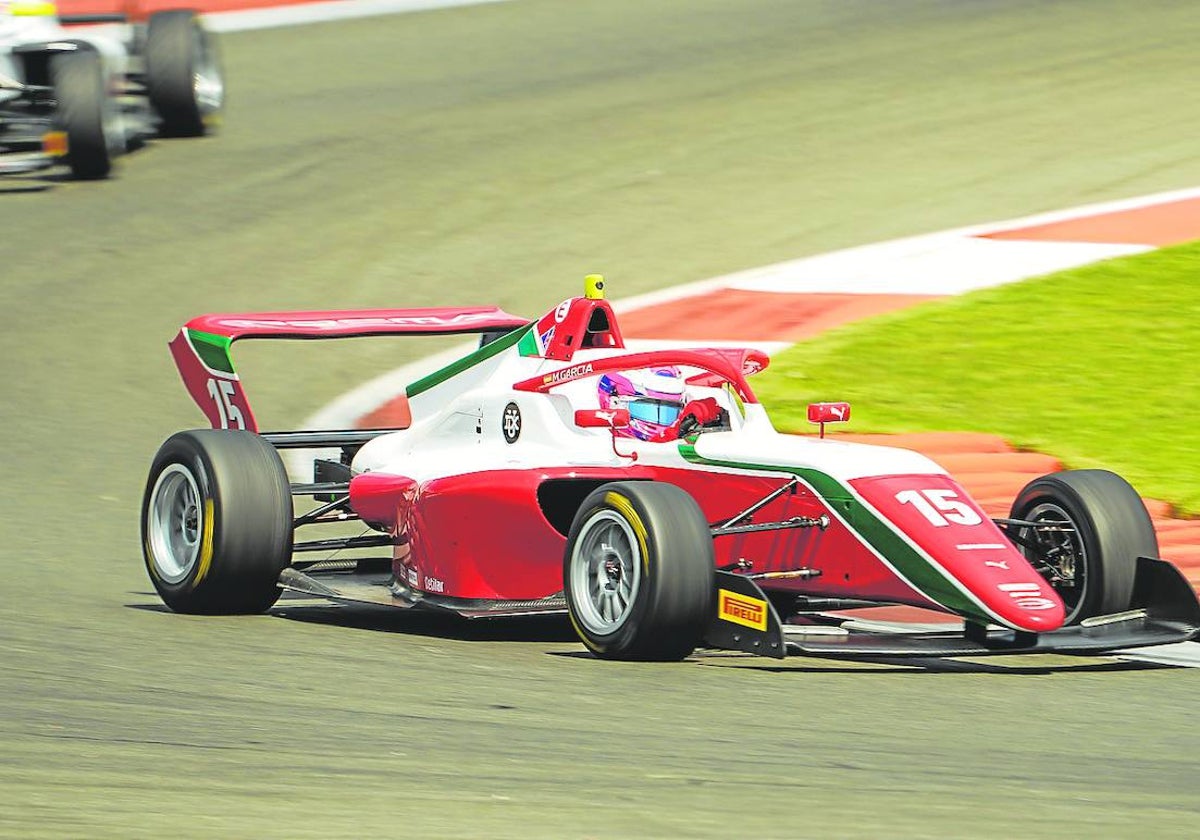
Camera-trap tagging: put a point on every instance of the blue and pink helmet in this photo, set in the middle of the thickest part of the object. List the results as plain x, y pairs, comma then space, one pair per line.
653, 397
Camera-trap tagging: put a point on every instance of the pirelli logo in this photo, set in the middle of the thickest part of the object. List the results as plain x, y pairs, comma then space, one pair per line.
741, 609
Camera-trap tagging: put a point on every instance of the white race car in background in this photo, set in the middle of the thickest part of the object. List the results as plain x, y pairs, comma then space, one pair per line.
81, 96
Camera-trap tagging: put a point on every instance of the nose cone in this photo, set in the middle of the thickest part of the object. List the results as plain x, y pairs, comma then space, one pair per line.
1027, 605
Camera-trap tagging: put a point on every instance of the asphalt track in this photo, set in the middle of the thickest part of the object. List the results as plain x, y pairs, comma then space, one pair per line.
496, 154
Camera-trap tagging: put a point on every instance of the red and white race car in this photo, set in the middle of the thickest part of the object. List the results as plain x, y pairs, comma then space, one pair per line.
646, 494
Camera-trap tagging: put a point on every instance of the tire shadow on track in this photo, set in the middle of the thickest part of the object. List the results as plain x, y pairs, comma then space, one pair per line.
419, 623
537, 628
921, 666
557, 629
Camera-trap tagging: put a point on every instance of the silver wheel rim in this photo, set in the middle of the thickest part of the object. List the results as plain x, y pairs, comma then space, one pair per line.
176, 524
207, 85
606, 572
1075, 594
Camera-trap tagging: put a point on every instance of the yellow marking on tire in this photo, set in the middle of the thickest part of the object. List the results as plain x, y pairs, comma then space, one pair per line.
206, 543
151, 563
588, 643
625, 508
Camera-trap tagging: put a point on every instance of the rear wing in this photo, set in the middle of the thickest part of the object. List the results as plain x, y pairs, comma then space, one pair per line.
202, 348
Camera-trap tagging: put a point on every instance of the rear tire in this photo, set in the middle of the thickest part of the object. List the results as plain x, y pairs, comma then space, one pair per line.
217, 522
184, 79
1092, 569
84, 112
638, 572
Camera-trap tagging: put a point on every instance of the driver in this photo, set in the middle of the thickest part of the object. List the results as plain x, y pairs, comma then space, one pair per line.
656, 403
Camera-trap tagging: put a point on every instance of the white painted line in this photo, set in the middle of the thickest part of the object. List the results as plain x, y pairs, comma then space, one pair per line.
324, 12
944, 266
1182, 655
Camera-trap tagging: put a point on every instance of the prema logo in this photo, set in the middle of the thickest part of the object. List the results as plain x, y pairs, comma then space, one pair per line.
566, 374
1028, 596
742, 609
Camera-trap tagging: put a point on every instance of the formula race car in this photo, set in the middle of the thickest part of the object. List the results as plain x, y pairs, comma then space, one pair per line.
82, 96
644, 493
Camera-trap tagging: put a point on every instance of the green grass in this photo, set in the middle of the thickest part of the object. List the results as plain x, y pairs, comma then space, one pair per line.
1095, 365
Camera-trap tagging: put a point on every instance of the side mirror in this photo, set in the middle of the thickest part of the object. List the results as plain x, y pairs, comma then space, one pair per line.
830, 412
602, 418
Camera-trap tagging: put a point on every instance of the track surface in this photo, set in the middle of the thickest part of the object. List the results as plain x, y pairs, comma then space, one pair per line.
496, 154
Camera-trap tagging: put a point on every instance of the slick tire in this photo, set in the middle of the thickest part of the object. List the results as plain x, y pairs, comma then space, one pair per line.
638, 572
217, 522
184, 80
83, 112
1111, 530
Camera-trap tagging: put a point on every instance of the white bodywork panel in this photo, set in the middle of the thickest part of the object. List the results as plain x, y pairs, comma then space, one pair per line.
472, 403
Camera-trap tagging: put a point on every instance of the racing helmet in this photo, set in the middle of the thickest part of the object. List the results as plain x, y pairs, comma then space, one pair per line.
653, 397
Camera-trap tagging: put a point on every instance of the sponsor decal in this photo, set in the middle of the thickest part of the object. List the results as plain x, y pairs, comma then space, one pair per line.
432, 584
997, 564
1027, 595
979, 546
567, 374
411, 574
510, 422
741, 609
544, 338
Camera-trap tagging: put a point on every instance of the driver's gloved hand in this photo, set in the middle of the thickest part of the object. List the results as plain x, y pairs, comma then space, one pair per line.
695, 415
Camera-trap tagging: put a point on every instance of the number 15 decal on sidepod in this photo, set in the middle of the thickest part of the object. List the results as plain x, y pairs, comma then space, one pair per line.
941, 507
933, 511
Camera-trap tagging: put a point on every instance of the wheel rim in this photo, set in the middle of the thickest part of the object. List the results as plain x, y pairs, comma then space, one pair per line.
606, 572
207, 84
1058, 554
176, 524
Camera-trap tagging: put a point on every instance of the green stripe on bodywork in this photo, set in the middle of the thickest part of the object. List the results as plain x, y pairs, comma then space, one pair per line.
483, 353
528, 345
213, 350
912, 564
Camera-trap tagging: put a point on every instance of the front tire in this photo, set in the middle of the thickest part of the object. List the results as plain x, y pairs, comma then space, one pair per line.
85, 113
638, 572
217, 522
184, 79
1092, 560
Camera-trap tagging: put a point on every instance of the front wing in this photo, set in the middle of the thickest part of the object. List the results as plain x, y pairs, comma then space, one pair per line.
1164, 610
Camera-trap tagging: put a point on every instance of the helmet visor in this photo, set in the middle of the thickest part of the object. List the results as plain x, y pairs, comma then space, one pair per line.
662, 412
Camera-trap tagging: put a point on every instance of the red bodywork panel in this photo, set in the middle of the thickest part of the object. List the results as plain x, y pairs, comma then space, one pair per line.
483, 535
575, 324
939, 517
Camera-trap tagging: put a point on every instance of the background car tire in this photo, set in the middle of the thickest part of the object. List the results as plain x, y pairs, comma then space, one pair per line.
183, 74
651, 542
217, 522
83, 113
1112, 530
